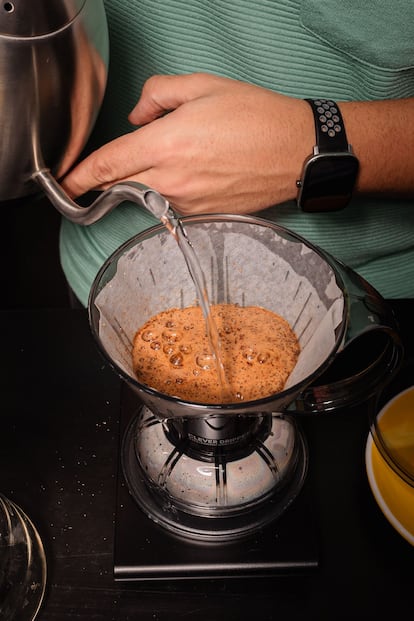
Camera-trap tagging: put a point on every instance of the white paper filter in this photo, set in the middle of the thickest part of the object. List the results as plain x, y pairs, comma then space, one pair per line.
243, 263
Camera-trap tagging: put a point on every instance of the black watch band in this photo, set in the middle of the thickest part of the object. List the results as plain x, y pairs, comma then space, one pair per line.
329, 126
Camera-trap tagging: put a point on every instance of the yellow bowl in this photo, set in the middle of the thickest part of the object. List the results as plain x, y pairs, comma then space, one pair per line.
394, 493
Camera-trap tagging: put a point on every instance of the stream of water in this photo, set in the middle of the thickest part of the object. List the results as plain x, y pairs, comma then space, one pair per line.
177, 230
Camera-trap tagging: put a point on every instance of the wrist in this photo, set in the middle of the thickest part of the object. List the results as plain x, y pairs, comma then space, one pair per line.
301, 139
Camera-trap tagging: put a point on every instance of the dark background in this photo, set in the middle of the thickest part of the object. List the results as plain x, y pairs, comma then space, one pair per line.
31, 274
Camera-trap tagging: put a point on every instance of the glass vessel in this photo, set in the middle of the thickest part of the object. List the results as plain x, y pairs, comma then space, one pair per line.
22, 564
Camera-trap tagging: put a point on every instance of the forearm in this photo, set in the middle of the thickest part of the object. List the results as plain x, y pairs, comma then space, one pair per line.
382, 136
228, 145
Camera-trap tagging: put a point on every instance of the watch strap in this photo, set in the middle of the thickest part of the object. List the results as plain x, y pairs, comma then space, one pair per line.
329, 126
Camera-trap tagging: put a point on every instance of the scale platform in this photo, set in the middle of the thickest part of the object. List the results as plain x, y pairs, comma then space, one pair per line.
146, 551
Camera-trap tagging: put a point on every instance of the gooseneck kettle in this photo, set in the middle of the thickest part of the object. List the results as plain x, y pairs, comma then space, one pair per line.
53, 72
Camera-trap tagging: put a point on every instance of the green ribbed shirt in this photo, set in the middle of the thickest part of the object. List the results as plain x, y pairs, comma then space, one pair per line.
340, 49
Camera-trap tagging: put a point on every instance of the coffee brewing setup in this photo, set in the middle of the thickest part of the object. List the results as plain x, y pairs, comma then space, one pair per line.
195, 479
208, 474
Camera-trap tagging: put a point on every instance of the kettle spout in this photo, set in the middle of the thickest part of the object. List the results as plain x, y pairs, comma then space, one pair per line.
138, 193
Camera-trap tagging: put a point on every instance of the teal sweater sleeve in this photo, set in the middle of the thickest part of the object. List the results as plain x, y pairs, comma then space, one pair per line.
341, 49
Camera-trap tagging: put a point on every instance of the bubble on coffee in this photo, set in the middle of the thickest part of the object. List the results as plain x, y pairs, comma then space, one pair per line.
258, 350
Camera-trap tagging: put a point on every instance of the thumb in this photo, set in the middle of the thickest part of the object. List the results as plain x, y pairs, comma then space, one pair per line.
163, 93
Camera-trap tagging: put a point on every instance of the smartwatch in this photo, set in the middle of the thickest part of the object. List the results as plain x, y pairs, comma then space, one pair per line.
330, 172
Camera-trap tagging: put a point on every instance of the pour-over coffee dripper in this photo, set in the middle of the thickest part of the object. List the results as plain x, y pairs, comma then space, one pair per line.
220, 471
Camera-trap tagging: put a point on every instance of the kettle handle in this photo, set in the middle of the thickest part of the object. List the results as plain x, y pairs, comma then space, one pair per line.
104, 203
369, 317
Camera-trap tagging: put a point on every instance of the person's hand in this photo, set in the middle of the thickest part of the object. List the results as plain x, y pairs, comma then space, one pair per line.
208, 144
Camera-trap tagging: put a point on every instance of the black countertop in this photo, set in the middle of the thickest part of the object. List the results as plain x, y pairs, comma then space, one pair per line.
59, 459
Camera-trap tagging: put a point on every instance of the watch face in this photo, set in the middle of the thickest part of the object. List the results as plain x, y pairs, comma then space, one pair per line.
328, 181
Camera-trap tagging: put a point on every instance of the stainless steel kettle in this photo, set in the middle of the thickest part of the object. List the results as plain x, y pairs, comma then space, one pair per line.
53, 72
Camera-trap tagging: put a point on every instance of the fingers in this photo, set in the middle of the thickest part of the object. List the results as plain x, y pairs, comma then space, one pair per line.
162, 93
117, 160
166, 146
131, 154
